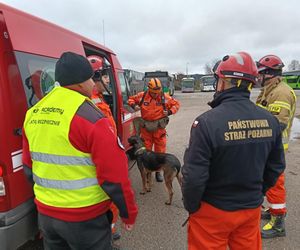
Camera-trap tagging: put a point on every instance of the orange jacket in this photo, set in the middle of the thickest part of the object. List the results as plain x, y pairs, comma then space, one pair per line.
98, 100
152, 109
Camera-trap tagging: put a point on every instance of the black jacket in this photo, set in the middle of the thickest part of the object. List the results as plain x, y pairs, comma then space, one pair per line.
235, 154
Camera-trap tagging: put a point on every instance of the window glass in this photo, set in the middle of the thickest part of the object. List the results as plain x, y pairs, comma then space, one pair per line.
37, 74
124, 87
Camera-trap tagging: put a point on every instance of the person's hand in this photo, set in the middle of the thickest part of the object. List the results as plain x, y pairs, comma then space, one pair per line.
137, 108
166, 112
128, 227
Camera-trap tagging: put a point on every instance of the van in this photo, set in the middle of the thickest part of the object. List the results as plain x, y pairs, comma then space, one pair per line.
29, 48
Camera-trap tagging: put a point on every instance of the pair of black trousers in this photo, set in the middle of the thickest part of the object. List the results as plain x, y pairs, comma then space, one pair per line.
94, 234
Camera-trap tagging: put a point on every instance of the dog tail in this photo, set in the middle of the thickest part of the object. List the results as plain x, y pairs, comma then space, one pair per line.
179, 178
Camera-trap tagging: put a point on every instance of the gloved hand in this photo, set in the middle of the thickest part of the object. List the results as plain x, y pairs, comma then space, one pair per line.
167, 112
137, 108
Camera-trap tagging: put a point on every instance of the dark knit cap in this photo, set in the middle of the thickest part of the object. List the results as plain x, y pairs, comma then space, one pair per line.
72, 68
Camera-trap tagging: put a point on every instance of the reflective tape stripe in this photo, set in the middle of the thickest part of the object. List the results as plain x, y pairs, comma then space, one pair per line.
277, 206
285, 140
282, 104
65, 185
62, 159
96, 100
259, 105
294, 95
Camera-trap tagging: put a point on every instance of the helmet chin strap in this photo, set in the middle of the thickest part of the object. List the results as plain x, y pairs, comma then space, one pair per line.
271, 73
265, 79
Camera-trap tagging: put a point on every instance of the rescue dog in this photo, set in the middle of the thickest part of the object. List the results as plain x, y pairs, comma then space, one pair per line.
148, 162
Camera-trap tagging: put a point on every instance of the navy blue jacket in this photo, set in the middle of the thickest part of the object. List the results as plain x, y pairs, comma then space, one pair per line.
235, 154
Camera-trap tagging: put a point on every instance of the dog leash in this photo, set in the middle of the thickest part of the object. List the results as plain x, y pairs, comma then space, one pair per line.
185, 222
132, 165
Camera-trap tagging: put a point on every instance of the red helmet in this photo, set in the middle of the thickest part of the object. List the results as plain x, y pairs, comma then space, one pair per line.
42, 82
96, 62
270, 62
240, 66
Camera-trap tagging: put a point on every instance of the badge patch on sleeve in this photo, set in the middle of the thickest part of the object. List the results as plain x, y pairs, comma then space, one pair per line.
120, 143
195, 124
274, 109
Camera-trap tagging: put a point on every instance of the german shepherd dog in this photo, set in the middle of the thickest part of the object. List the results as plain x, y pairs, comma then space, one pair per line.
149, 162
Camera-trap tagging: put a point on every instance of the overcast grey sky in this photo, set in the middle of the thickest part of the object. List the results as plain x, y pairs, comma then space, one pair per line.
173, 34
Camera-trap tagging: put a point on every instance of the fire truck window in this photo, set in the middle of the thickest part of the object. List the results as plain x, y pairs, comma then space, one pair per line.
37, 73
124, 87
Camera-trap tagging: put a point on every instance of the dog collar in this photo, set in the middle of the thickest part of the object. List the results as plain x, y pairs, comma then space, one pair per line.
140, 149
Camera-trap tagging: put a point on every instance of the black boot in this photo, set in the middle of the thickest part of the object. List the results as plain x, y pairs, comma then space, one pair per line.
265, 214
116, 236
158, 177
274, 228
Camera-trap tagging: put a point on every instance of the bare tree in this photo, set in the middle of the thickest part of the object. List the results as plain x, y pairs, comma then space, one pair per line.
209, 66
294, 65
177, 81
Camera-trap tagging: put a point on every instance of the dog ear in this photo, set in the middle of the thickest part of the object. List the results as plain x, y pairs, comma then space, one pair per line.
130, 140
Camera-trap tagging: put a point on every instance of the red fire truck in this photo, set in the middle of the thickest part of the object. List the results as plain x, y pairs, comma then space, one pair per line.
29, 49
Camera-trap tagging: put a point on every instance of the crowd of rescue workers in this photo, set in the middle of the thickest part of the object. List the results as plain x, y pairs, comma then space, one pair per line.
235, 157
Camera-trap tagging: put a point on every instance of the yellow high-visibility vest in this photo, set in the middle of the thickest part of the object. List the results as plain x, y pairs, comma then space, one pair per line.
64, 176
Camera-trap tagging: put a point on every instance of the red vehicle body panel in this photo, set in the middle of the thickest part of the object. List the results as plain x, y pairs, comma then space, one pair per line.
38, 36
24, 34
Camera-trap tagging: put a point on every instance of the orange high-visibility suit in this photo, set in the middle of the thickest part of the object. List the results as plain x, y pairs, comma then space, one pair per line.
151, 110
99, 101
279, 99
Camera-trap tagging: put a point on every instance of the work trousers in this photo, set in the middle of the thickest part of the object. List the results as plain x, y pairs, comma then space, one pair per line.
276, 197
211, 228
158, 139
94, 234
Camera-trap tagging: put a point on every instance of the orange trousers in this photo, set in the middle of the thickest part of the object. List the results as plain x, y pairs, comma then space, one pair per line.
211, 228
276, 196
158, 139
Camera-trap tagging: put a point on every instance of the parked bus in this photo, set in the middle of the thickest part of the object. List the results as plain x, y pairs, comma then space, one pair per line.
167, 80
292, 78
135, 80
29, 49
188, 85
207, 83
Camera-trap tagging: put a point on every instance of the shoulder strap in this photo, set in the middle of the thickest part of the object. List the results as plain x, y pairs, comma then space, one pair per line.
142, 100
163, 100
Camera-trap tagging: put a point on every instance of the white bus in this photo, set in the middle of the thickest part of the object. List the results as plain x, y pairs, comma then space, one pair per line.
188, 85
166, 79
207, 83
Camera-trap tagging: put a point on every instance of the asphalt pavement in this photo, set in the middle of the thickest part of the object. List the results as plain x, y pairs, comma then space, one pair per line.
159, 226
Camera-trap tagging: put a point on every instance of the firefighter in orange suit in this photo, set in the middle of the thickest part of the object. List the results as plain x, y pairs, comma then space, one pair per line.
101, 79
235, 155
155, 108
279, 99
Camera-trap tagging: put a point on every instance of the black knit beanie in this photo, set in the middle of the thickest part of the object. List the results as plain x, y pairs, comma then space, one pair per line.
72, 68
